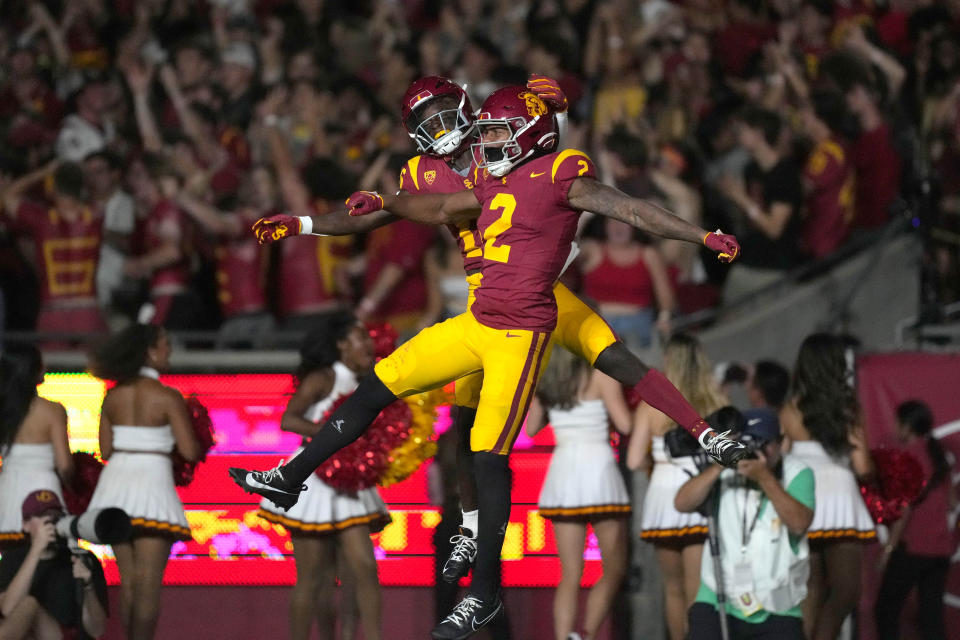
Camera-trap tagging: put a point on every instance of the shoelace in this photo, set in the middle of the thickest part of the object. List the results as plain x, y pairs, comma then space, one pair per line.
462, 613
719, 444
272, 474
464, 548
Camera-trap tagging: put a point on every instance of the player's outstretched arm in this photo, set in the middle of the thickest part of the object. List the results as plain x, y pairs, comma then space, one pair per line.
592, 195
335, 223
432, 209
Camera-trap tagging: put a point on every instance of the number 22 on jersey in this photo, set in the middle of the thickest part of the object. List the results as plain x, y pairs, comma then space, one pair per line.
508, 204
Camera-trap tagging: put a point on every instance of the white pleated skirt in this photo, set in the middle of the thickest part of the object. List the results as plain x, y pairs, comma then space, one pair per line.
26, 468
660, 522
584, 484
142, 485
323, 510
840, 514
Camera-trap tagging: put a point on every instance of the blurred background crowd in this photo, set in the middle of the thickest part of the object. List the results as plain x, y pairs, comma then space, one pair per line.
141, 140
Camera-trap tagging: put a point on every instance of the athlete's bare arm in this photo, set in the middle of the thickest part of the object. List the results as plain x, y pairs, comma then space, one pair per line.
594, 196
434, 209
341, 223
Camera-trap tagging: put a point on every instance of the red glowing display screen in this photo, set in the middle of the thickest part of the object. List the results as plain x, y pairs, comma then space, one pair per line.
233, 546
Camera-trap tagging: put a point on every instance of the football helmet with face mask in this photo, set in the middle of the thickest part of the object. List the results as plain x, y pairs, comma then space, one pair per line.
531, 130
438, 116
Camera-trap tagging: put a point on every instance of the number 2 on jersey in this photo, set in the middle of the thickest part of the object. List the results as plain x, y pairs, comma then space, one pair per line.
508, 204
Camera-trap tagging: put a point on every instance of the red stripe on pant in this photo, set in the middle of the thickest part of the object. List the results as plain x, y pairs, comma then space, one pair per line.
518, 394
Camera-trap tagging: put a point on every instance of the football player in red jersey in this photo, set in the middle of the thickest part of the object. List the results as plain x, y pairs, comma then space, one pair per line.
526, 227
439, 118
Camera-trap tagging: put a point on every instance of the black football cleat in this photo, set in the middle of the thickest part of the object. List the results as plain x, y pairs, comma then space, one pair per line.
269, 484
461, 558
468, 617
723, 449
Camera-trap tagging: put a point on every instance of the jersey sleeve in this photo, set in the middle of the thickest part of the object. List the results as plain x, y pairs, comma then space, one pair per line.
567, 167
410, 176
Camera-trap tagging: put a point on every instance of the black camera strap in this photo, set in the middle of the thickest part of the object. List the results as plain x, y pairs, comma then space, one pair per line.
745, 532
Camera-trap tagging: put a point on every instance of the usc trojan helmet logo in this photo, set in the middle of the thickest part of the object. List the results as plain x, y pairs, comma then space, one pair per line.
535, 106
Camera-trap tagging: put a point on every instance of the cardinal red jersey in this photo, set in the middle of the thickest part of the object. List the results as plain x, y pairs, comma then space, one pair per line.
307, 276
404, 244
241, 270
527, 225
66, 251
426, 174
165, 224
830, 200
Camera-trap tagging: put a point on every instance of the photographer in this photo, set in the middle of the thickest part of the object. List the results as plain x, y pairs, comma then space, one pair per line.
70, 588
763, 510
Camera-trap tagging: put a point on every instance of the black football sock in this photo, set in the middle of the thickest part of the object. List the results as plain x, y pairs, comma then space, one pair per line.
466, 480
346, 424
619, 363
493, 500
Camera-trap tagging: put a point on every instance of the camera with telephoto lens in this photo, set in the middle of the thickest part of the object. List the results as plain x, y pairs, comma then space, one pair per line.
99, 526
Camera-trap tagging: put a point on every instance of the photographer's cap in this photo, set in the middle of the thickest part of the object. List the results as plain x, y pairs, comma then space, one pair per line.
39, 503
761, 424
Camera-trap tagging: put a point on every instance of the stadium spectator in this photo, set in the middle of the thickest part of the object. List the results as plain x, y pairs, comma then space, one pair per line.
104, 174
768, 385
87, 129
828, 174
767, 200
628, 280
66, 232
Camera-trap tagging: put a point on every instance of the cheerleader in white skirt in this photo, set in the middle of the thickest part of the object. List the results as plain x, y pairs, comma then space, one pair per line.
677, 537
33, 439
141, 423
325, 522
822, 422
583, 485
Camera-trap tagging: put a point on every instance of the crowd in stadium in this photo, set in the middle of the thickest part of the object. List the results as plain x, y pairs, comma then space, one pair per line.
141, 140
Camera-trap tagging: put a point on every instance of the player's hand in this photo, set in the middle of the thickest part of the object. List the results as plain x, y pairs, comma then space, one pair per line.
724, 244
361, 203
548, 90
276, 228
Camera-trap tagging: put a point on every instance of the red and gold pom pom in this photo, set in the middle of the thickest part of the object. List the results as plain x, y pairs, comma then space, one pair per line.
203, 430
898, 483
87, 468
384, 339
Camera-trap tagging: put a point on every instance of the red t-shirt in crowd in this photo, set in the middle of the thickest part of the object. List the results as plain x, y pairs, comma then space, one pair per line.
66, 252
626, 284
527, 225
926, 532
165, 224
830, 198
308, 273
877, 169
404, 244
241, 270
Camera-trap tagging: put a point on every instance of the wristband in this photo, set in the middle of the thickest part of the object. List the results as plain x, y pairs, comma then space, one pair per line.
306, 225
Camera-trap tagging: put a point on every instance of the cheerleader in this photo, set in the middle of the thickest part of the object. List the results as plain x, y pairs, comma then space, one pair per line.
822, 421
677, 537
583, 485
141, 423
33, 439
325, 520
